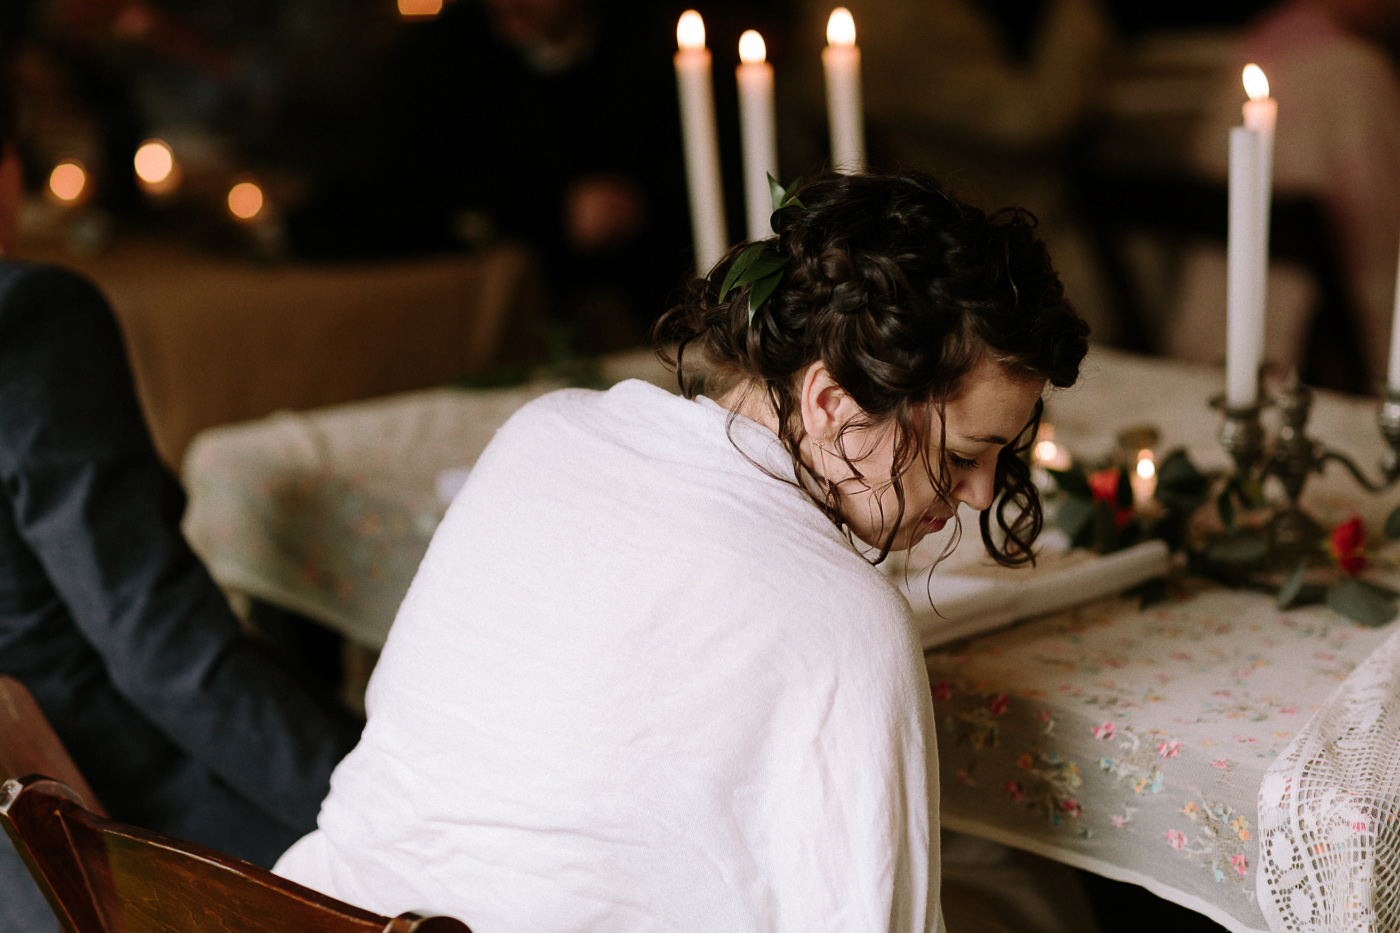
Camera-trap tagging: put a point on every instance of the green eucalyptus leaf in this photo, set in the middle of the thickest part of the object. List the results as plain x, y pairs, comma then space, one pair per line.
1106, 539
1072, 482
1292, 587
1392, 524
1123, 495
764, 264
737, 268
1074, 517
1361, 602
1225, 505
761, 289
776, 193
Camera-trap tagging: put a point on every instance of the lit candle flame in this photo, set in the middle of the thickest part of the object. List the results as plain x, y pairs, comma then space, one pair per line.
841, 28
1146, 468
752, 51
68, 181
1256, 85
690, 32
245, 200
154, 162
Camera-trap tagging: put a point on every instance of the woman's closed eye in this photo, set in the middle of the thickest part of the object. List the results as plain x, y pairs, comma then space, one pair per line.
961, 463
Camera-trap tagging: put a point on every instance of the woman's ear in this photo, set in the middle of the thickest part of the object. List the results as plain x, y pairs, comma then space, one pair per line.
826, 407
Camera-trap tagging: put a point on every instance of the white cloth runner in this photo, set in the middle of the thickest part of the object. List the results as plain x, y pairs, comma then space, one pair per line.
970, 599
1329, 811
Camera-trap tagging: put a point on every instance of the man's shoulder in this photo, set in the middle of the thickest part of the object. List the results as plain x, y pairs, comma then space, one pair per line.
24, 285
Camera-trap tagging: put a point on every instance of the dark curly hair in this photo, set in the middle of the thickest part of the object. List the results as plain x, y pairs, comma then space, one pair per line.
900, 289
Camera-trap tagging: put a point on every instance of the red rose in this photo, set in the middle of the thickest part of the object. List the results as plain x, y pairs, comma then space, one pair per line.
1103, 484
1348, 546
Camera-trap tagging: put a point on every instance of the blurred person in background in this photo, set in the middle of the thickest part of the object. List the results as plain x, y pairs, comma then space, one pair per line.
178, 722
552, 122
1331, 66
989, 94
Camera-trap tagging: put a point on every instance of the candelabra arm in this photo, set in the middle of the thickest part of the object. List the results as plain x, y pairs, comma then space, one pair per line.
1326, 455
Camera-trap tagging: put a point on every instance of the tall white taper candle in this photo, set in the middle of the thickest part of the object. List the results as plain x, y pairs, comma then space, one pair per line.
755, 78
1393, 378
844, 111
1261, 115
1243, 335
695, 87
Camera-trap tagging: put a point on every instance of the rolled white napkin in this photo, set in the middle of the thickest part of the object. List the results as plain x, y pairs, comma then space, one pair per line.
975, 598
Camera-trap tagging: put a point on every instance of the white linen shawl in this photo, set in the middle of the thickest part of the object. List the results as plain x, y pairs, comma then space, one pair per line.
640, 684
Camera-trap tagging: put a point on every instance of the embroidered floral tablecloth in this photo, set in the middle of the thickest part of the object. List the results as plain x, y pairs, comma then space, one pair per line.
1133, 742
1129, 742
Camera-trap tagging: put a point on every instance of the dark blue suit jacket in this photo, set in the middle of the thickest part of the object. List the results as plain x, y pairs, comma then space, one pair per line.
179, 722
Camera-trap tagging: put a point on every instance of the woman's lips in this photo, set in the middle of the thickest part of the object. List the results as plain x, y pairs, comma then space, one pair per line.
935, 524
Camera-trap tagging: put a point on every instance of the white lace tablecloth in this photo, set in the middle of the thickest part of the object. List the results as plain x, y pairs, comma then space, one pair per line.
1131, 742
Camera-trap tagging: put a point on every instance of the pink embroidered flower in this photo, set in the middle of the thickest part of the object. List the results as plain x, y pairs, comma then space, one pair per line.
1043, 715
998, 704
1175, 838
1169, 749
1118, 821
1104, 731
1071, 806
1240, 862
942, 692
1015, 789
1220, 763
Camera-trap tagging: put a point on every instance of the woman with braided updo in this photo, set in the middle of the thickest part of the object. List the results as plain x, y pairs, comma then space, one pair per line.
647, 677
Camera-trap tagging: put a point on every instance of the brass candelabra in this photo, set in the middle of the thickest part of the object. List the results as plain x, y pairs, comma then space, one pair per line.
1295, 456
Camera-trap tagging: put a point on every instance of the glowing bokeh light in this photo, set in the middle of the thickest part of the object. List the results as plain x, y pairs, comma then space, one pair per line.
1045, 451
752, 49
245, 200
1256, 84
154, 162
1145, 467
419, 8
68, 181
690, 32
841, 28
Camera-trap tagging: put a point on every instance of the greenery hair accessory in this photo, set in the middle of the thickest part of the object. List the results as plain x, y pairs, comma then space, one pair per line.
760, 266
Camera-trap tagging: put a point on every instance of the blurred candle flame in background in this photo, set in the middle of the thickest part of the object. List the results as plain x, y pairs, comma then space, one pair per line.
68, 182
690, 32
245, 200
156, 169
841, 28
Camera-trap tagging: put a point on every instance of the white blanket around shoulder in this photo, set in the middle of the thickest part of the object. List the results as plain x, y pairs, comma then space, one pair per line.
639, 684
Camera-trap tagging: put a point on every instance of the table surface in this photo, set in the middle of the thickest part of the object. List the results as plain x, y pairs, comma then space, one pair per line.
1128, 741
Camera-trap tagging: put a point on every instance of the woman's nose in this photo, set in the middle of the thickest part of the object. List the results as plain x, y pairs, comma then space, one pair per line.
978, 488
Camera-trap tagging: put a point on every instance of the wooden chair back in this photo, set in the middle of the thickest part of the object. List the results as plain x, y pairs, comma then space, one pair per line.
28, 744
102, 876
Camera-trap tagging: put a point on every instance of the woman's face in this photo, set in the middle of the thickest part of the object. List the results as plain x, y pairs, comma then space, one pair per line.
991, 411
